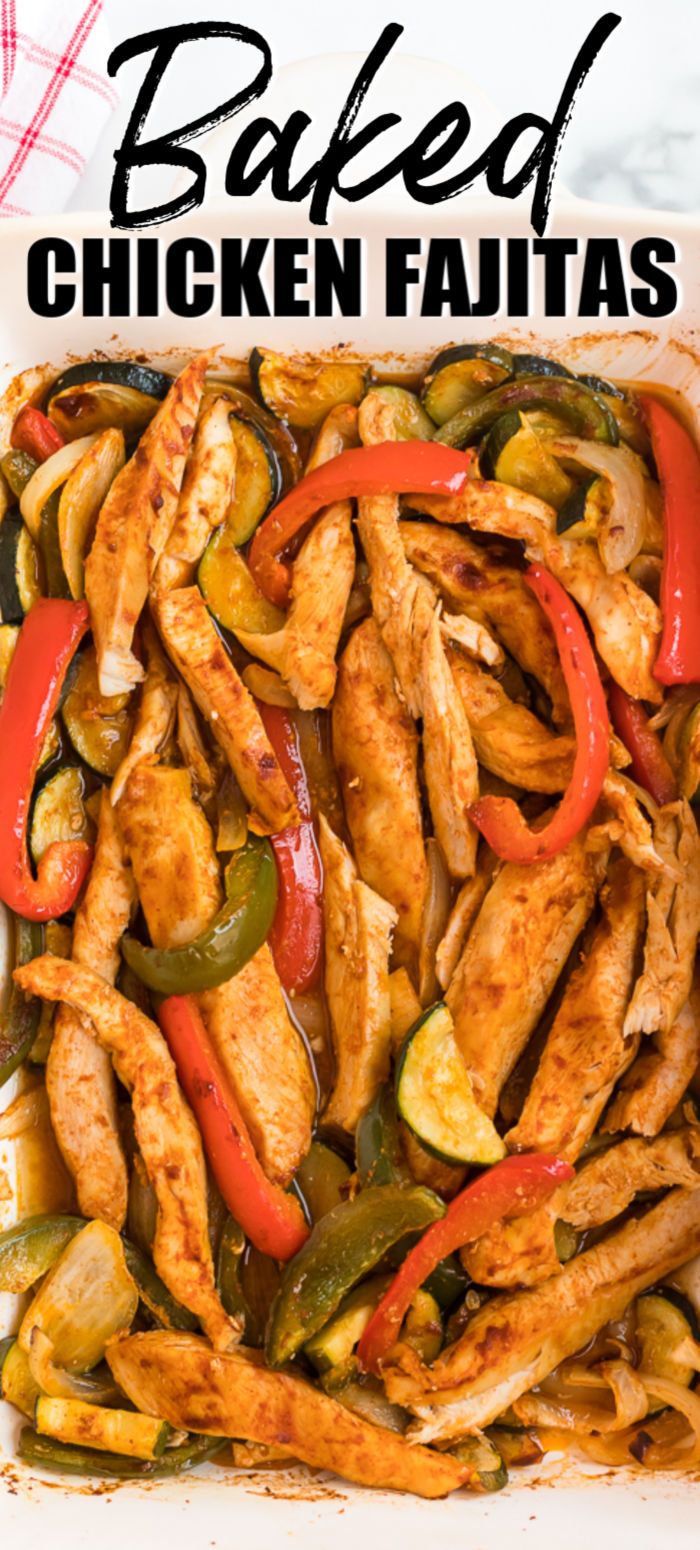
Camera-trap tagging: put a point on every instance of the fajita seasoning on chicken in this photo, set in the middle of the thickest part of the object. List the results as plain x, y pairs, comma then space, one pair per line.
350, 898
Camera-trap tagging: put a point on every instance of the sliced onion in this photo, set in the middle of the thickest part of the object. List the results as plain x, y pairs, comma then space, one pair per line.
621, 532
47, 478
618, 1378
60, 1384
267, 686
27, 1112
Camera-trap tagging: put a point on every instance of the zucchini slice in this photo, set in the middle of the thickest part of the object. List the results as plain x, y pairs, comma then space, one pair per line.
525, 365
422, 1326
365, 1396
229, 590
323, 1177
17, 1385
334, 1344
378, 1143
462, 375
434, 1095
63, 1459
489, 1470
98, 726
277, 432
98, 406
50, 545
583, 508
131, 374
513, 454
665, 1337
258, 481
154, 1294
59, 812
20, 941
302, 392
126, 1432
20, 582
411, 422
586, 412
600, 385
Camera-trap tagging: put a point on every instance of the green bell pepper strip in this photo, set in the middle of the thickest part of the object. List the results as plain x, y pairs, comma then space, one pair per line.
17, 469
65, 1459
20, 1018
344, 1246
30, 1248
232, 939
585, 411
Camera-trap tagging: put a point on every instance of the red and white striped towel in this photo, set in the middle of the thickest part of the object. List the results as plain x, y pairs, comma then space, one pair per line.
55, 99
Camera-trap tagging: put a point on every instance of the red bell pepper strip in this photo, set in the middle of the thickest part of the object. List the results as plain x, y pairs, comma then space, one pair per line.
649, 767
296, 937
34, 433
512, 1188
392, 467
678, 466
47, 641
499, 818
272, 1219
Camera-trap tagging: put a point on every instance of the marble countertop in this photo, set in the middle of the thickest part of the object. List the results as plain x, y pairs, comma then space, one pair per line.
635, 133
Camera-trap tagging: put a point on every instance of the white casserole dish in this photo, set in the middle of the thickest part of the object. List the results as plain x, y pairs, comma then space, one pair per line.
274, 1508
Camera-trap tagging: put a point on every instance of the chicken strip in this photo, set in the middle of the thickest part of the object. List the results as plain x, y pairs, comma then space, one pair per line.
625, 621
155, 715
518, 945
492, 592
266, 1061
607, 1185
166, 1133
656, 1082
133, 528
191, 639
673, 923
587, 1048
304, 650
195, 756
79, 1076
462, 916
628, 826
449, 761
516, 1340
358, 926
176, 1376
509, 740
205, 497
170, 846
375, 748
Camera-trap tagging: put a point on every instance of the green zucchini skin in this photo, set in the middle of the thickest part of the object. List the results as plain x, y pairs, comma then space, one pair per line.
411, 421
585, 411
573, 510
525, 365
290, 400
63, 794
461, 375
65, 1459
19, 570
601, 385
56, 581
127, 373
30, 1248
455, 1131
258, 478
499, 435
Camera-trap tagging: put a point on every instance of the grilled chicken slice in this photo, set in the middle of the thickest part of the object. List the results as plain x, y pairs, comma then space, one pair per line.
304, 650
449, 761
403, 601
587, 1048
654, 1085
133, 528
509, 740
462, 916
266, 1061
205, 497
608, 1183
516, 1340
375, 747
472, 581
358, 927
190, 742
625, 621
166, 1133
79, 1076
517, 947
155, 715
176, 1376
626, 824
673, 923
170, 846
191, 639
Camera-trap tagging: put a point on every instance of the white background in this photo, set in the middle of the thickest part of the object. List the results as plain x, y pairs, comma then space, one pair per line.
635, 135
